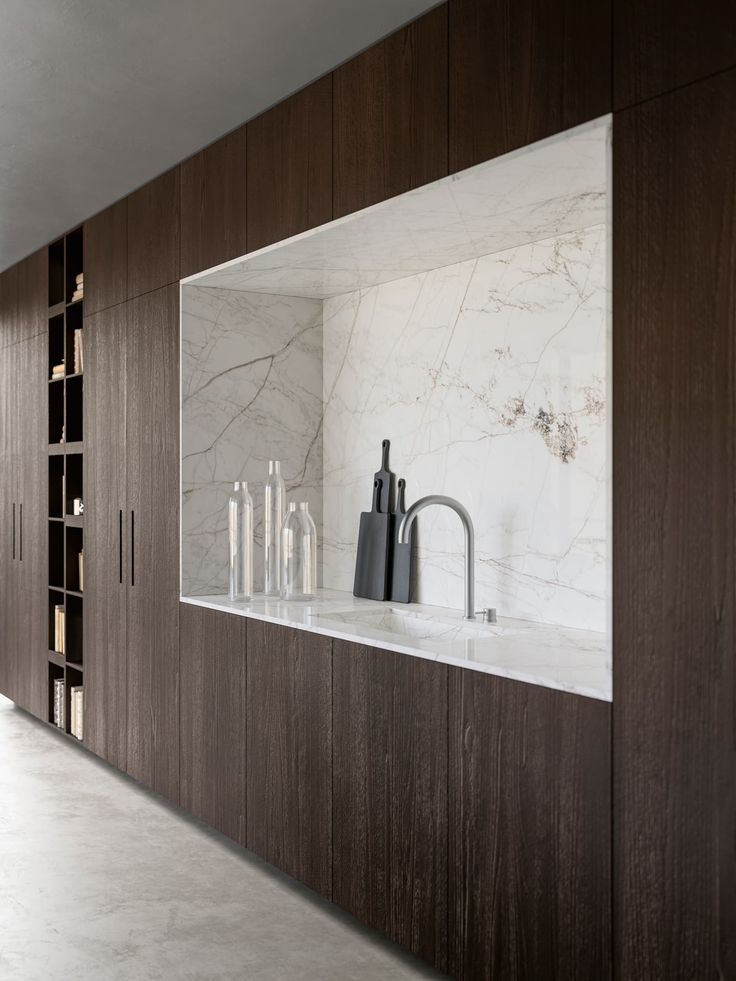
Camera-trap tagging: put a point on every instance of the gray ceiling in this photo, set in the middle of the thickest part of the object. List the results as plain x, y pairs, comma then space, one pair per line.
98, 96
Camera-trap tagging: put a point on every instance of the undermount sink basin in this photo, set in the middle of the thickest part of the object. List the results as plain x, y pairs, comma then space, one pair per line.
419, 626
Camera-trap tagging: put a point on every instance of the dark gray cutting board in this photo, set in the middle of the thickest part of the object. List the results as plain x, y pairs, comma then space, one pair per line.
386, 499
401, 555
371, 563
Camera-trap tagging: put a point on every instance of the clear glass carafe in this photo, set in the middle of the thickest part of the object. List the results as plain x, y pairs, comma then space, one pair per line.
273, 518
298, 554
240, 542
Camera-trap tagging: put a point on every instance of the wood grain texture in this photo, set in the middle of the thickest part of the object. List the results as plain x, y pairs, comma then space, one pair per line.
105, 551
106, 258
152, 458
663, 44
521, 71
153, 234
390, 795
290, 166
213, 203
530, 827
390, 106
289, 761
8, 306
9, 497
31, 318
213, 713
674, 459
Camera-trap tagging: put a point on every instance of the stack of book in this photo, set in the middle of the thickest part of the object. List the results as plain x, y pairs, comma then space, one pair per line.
59, 629
59, 703
76, 713
79, 291
78, 352
57, 371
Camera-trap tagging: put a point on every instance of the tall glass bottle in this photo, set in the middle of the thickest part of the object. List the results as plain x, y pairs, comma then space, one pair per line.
298, 554
240, 542
273, 518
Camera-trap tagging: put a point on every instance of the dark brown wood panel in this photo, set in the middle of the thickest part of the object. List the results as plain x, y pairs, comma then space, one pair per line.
153, 234
10, 567
390, 106
663, 44
390, 795
152, 537
674, 460
530, 832
520, 71
106, 258
213, 204
213, 713
289, 759
290, 166
31, 318
105, 542
8, 306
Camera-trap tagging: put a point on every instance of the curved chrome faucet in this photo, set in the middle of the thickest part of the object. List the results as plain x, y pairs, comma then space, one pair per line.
457, 507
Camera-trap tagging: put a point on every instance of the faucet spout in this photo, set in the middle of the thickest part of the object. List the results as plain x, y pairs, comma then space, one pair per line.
467, 523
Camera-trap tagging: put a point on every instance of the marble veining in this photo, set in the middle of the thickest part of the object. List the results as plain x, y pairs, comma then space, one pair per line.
565, 659
490, 378
251, 369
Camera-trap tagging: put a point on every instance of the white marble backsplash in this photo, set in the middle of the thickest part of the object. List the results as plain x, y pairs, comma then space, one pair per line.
490, 378
251, 367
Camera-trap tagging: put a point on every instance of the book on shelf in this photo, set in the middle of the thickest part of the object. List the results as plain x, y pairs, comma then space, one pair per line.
59, 702
57, 371
78, 352
76, 711
79, 279
81, 571
59, 629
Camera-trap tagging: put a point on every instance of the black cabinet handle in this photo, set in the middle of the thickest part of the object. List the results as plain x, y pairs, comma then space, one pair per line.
13, 529
132, 548
120, 545
20, 551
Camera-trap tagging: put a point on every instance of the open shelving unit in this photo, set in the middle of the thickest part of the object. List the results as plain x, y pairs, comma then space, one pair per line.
66, 472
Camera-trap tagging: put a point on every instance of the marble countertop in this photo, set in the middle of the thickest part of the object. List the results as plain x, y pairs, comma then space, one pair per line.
564, 658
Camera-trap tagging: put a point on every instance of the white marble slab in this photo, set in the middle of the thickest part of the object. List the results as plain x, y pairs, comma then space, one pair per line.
576, 661
490, 379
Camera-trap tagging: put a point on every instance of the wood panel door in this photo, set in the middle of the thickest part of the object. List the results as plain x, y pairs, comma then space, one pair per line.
663, 44
9, 559
153, 234
32, 310
8, 306
390, 795
152, 539
520, 71
530, 832
105, 529
390, 106
213, 204
290, 166
106, 258
213, 712
674, 461
289, 761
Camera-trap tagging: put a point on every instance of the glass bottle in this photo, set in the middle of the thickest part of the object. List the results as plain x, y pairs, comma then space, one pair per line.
298, 554
273, 518
240, 542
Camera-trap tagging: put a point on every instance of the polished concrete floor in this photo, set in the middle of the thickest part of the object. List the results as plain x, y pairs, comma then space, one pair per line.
100, 879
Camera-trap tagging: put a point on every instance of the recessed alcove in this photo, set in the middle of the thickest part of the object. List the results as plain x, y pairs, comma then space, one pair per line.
467, 321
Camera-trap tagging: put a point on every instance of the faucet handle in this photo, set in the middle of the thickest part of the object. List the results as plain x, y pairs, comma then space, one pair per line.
488, 614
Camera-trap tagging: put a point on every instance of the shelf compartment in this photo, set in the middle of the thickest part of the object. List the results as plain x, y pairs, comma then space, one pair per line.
74, 261
56, 272
56, 555
56, 486
74, 548
56, 342
56, 412
56, 672
74, 323
73, 484
74, 409
56, 598
73, 643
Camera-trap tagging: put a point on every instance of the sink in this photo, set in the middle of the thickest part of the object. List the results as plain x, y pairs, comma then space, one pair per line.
419, 626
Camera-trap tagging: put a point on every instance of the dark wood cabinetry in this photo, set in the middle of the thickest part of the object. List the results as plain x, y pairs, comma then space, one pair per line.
290, 166
390, 106
523, 71
213, 204
390, 795
530, 831
663, 44
213, 713
153, 234
674, 459
289, 739
8, 306
106, 258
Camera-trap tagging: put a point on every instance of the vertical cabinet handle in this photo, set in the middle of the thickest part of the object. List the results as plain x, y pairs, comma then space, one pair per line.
13, 529
20, 550
120, 544
132, 548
